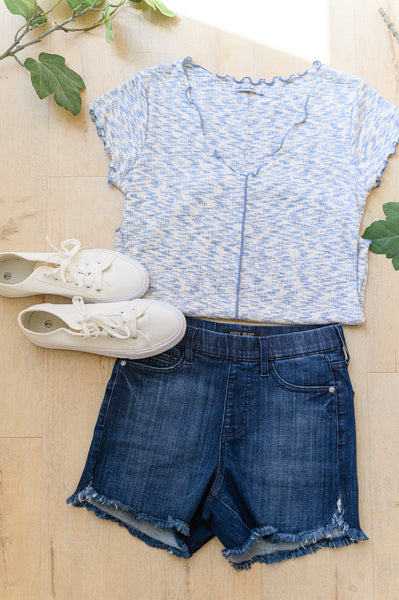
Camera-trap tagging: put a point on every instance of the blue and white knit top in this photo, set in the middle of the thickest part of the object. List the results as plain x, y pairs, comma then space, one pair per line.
243, 199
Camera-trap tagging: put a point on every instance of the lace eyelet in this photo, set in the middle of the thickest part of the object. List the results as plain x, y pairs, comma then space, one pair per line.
87, 286
45, 274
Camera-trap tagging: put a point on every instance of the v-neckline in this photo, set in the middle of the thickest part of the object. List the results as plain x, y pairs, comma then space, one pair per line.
299, 111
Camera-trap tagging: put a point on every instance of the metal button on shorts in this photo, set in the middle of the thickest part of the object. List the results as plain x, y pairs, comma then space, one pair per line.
244, 432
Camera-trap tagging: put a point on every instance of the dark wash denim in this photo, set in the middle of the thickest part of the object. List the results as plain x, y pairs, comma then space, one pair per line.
245, 432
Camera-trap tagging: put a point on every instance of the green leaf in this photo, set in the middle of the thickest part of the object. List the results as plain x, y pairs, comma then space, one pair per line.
49, 75
162, 8
381, 235
26, 8
384, 235
391, 210
41, 20
157, 4
108, 24
75, 3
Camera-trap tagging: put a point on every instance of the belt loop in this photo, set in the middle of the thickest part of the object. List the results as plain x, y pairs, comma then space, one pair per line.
188, 347
340, 331
264, 357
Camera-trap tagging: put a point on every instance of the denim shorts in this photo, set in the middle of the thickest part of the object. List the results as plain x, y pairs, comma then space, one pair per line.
244, 432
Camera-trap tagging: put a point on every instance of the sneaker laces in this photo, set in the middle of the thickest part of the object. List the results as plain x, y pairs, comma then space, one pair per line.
70, 273
120, 325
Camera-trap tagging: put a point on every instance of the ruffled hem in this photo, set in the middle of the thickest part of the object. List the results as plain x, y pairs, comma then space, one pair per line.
82, 499
310, 541
300, 113
112, 170
377, 181
315, 67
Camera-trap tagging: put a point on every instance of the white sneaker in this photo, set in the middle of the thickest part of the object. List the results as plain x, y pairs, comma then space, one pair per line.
96, 275
133, 329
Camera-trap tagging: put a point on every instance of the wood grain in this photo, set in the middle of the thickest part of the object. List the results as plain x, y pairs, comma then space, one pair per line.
54, 174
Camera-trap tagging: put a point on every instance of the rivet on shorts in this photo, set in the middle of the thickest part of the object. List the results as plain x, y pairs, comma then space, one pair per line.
123, 363
331, 389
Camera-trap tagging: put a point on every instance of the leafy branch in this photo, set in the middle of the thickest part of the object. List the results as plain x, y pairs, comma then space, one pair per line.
49, 74
384, 234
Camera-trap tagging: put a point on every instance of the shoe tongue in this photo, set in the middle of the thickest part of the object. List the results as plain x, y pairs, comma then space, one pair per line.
139, 311
107, 259
142, 317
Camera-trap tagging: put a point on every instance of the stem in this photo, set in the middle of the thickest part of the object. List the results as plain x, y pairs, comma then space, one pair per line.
18, 61
98, 22
52, 8
16, 47
389, 23
17, 32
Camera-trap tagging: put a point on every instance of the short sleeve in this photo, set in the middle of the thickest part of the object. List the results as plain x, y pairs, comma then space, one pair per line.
120, 116
374, 134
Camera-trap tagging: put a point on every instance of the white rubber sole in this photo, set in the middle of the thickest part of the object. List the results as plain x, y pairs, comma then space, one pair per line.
137, 294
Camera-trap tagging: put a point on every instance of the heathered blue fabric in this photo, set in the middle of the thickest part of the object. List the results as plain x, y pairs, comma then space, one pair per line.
244, 199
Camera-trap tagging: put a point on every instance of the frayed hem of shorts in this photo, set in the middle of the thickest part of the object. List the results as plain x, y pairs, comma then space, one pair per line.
281, 555
83, 497
310, 541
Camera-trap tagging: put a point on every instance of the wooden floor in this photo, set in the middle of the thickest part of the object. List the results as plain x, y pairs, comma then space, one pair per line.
53, 174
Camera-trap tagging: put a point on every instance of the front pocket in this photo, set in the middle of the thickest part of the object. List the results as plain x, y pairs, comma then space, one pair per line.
306, 372
165, 362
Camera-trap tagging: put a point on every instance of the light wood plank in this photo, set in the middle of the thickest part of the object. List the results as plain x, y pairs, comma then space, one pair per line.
23, 203
20, 510
54, 172
384, 417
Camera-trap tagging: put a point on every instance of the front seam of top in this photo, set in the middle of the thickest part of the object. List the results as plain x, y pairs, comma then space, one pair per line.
241, 246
